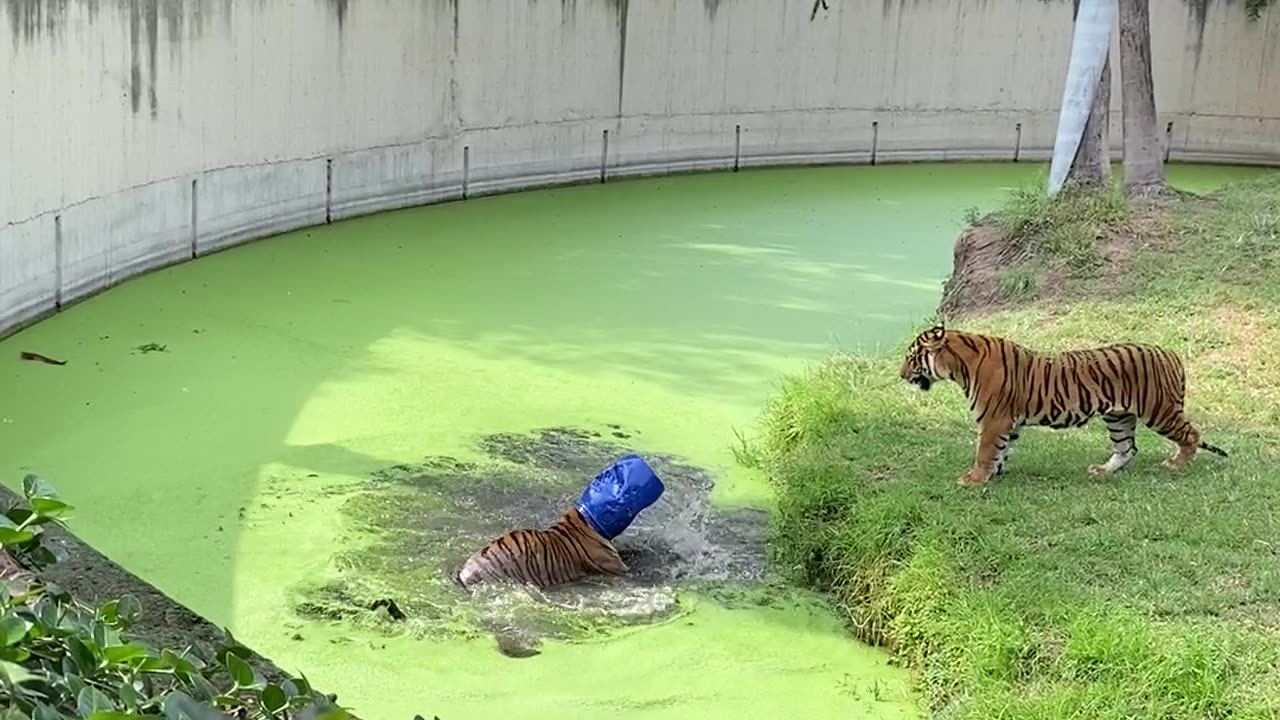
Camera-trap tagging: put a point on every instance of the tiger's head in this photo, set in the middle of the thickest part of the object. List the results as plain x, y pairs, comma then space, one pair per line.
924, 364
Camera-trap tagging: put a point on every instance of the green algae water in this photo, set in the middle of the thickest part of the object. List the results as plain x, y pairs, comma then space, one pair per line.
213, 417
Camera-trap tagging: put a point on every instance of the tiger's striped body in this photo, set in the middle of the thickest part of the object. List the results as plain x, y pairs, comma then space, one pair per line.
1009, 386
567, 551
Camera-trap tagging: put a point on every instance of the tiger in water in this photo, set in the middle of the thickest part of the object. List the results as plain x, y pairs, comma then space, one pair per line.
1009, 386
567, 551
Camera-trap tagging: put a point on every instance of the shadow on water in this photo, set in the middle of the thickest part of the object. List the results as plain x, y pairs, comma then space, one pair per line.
424, 519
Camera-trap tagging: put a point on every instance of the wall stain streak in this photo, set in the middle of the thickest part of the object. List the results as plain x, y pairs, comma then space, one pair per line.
340, 11
1198, 11
151, 16
711, 6
623, 10
32, 19
135, 63
144, 30
453, 67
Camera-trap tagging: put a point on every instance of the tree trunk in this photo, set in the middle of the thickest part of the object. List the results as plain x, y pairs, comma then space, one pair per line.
1143, 163
1092, 164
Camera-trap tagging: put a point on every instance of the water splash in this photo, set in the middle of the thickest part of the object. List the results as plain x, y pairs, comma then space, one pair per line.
427, 518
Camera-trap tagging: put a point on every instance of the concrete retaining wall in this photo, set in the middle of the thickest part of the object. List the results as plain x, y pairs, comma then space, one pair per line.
137, 133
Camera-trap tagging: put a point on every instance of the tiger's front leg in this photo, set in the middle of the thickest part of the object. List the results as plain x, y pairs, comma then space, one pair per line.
992, 440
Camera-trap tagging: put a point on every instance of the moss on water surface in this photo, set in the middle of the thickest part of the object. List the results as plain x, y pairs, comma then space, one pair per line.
296, 368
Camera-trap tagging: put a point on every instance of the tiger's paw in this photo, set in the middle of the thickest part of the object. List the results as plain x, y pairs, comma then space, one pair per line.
969, 479
1174, 465
1096, 470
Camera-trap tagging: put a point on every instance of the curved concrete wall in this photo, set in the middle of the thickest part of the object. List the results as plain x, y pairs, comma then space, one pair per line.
145, 132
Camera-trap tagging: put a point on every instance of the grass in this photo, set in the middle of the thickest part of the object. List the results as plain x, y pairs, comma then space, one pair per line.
1054, 238
1049, 594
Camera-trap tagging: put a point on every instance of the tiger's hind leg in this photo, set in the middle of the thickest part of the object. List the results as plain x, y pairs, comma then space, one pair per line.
1177, 427
1124, 445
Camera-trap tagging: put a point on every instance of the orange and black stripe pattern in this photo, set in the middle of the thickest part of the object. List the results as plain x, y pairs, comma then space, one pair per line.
567, 551
1009, 386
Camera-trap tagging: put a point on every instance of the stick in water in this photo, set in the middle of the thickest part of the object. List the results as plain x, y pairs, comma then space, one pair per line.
41, 358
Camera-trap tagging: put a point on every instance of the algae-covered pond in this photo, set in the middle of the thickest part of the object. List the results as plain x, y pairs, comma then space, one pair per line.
277, 434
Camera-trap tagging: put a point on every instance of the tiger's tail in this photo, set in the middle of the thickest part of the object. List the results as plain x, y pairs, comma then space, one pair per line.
1213, 449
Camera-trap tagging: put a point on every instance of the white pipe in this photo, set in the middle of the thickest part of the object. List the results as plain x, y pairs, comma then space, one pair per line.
1090, 45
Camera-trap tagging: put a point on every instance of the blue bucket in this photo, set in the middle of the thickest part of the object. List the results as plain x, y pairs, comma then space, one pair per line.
618, 494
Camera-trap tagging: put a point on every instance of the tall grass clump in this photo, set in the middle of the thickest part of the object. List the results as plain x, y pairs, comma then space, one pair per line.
1050, 594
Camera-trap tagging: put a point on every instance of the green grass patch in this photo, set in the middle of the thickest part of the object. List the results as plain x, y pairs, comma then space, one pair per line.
1067, 230
1051, 594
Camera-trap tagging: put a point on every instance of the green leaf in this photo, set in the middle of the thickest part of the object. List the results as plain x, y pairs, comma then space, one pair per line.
15, 654
129, 696
33, 487
75, 683
12, 630
179, 706
208, 691
123, 653
177, 662
15, 516
112, 715
49, 507
42, 557
129, 609
48, 614
273, 698
303, 687
153, 664
109, 612
83, 655
105, 636
240, 671
45, 712
91, 700
14, 674
9, 536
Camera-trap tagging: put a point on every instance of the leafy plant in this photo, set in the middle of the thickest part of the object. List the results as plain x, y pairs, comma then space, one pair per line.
60, 658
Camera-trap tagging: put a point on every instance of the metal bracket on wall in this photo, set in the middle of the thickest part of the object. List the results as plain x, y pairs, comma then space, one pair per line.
875, 140
195, 199
737, 147
57, 261
466, 170
1168, 140
328, 191
1017, 141
604, 154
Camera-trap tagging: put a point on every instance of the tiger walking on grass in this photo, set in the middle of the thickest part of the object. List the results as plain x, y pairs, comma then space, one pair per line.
1009, 386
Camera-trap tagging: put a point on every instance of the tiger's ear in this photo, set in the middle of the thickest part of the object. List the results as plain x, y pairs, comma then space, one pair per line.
935, 335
